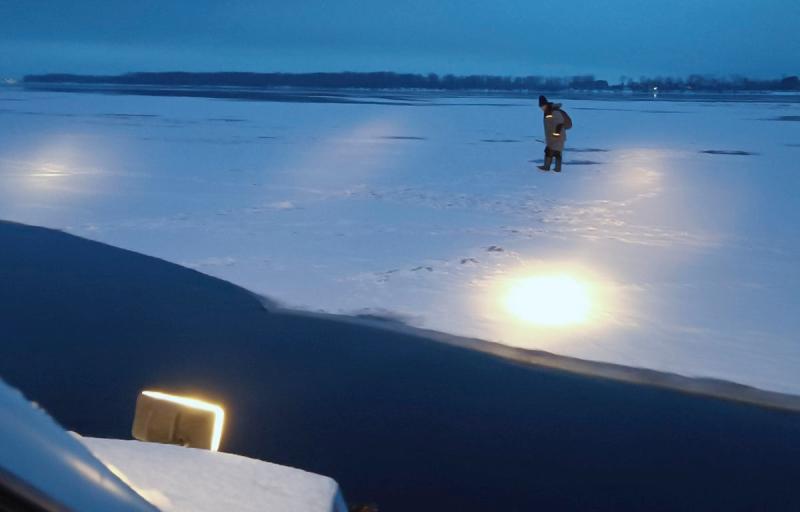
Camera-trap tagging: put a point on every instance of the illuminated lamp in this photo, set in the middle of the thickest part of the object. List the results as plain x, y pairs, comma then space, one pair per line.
172, 419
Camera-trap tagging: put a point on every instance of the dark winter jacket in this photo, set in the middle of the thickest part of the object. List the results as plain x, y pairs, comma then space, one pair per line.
554, 132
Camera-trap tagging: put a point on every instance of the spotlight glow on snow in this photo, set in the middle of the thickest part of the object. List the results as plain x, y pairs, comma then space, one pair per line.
549, 300
50, 171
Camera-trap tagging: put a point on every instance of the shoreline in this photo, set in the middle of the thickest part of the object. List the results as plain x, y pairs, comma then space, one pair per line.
702, 386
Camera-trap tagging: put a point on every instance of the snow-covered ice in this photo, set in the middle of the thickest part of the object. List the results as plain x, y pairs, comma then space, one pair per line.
679, 216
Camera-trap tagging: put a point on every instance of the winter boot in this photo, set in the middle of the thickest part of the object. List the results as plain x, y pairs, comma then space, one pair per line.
547, 161
558, 162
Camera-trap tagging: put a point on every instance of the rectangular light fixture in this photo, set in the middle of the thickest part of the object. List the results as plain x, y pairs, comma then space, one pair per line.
173, 419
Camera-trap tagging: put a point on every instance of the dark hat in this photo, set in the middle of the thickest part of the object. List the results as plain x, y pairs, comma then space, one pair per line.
543, 101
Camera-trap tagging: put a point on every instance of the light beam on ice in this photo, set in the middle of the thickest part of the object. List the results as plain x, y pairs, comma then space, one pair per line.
549, 300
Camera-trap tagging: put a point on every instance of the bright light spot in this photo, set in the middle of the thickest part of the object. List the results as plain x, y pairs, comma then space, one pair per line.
549, 300
219, 413
50, 171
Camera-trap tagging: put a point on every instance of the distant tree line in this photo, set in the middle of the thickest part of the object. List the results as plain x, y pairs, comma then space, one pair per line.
710, 83
390, 80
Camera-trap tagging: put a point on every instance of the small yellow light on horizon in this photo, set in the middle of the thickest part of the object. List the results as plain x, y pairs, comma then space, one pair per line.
549, 300
218, 411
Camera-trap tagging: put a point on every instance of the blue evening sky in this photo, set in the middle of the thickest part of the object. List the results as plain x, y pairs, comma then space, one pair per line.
518, 37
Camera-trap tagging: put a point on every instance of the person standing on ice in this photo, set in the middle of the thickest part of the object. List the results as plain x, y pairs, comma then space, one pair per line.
556, 123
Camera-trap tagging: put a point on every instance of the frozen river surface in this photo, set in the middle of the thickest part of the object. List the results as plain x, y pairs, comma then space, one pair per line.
670, 241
